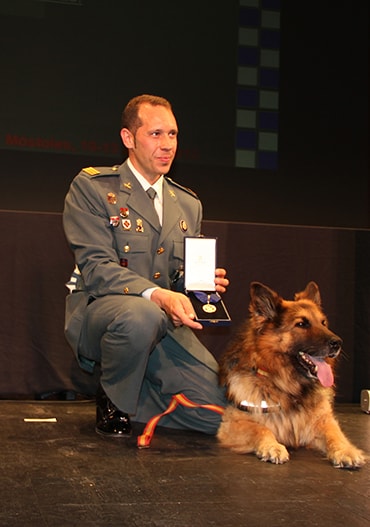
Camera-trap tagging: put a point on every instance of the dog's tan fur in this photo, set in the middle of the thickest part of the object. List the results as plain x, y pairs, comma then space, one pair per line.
284, 403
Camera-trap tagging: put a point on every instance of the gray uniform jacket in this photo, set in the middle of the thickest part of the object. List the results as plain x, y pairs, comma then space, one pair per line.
119, 246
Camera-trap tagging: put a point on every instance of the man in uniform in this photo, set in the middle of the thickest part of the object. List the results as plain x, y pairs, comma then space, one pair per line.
126, 311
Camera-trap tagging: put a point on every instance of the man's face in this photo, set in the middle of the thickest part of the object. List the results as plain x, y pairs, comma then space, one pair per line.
154, 145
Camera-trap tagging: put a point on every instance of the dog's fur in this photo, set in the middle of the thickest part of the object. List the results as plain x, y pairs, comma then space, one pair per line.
279, 381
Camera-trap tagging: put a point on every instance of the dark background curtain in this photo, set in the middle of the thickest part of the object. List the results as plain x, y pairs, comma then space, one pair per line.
36, 358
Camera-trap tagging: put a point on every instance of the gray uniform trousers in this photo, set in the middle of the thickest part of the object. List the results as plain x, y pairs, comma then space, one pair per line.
144, 360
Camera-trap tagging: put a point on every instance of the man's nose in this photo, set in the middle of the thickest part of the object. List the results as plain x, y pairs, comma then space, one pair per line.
167, 142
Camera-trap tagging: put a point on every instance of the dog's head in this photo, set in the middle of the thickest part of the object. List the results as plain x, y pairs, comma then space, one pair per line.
297, 329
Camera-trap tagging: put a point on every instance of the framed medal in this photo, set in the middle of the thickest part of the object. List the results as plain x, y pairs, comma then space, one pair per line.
199, 278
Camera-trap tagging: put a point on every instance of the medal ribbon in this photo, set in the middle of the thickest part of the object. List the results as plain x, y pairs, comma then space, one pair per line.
143, 441
205, 298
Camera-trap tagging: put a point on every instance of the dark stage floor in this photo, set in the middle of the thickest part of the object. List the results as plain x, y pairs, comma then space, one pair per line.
61, 474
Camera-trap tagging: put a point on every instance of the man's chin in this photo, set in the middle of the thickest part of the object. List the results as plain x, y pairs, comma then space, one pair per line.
164, 167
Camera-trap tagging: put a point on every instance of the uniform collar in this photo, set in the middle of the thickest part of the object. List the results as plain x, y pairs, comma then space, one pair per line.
158, 185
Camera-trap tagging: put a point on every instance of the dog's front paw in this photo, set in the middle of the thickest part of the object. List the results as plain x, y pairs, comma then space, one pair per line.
351, 459
274, 453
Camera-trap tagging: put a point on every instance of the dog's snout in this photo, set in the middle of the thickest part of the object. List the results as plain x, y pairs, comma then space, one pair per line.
335, 346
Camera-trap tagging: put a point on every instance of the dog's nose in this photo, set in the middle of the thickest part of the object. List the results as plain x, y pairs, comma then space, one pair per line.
335, 346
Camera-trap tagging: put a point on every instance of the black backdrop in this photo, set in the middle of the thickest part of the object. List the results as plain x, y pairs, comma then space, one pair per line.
36, 359
67, 71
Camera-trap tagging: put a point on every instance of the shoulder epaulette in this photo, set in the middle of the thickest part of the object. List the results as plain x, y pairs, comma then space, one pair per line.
186, 189
101, 171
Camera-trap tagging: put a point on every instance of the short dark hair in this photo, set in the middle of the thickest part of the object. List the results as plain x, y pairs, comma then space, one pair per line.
130, 115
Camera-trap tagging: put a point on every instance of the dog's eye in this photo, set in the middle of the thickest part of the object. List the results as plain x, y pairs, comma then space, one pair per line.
304, 323
324, 322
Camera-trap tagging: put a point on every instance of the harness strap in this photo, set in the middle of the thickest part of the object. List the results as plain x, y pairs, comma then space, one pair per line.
143, 441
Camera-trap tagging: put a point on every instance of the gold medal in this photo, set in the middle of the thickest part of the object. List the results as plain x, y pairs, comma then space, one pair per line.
209, 308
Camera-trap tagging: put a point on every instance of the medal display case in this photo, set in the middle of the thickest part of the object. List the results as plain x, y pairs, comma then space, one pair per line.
199, 274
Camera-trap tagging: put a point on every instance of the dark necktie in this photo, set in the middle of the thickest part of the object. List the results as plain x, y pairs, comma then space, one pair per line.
152, 194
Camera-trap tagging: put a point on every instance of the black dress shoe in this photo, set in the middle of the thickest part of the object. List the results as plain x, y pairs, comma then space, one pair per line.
110, 421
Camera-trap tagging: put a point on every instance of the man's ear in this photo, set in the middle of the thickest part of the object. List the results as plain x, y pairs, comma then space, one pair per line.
127, 138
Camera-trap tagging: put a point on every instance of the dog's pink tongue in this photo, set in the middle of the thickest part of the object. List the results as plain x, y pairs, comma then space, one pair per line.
324, 372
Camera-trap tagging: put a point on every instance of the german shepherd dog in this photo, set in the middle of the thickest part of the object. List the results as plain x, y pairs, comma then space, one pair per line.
278, 374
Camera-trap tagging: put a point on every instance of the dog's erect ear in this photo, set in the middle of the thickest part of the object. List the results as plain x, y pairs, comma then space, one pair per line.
311, 292
263, 301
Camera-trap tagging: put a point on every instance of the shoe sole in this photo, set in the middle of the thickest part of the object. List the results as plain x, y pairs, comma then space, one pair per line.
113, 435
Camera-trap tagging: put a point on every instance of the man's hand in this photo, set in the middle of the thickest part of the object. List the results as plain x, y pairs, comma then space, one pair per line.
220, 281
177, 306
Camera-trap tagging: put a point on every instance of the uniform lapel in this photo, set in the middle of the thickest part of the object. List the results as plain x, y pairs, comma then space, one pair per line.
171, 211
